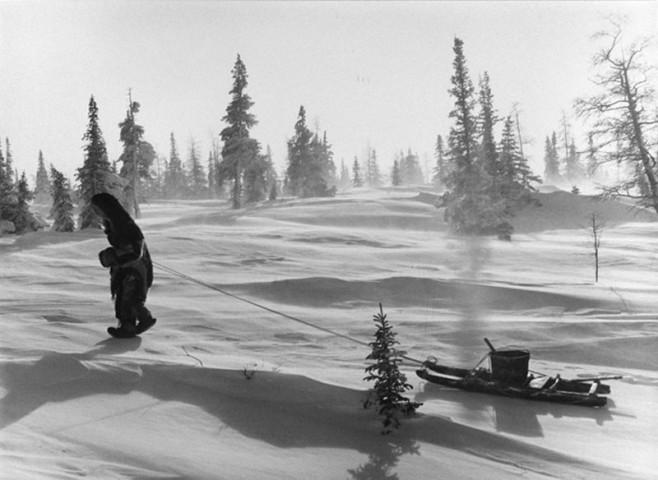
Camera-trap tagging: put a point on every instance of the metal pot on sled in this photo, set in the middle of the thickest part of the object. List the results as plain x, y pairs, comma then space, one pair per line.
510, 367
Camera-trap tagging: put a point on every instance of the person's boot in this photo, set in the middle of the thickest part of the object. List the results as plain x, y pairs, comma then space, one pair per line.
128, 326
146, 321
145, 324
126, 329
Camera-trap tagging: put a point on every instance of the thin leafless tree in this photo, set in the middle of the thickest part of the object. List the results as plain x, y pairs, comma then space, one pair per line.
624, 121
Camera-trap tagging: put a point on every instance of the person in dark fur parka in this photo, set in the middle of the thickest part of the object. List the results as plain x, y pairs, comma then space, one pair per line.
129, 261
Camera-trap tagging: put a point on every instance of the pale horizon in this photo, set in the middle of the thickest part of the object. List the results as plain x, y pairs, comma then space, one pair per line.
368, 73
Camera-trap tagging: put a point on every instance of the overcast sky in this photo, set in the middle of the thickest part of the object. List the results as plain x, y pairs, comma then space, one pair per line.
369, 73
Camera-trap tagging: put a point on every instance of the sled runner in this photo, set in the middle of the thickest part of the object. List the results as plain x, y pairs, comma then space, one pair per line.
509, 376
141, 328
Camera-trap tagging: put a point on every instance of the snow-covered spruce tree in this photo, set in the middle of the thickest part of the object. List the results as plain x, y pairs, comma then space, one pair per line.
410, 171
320, 169
516, 176
23, 219
137, 156
551, 161
198, 181
299, 155
95, 169
9, 159
440, 171
396, 180
487, 152
373, 173
390, 383
175, 181
6, 190
357, 179
469, 207
257, 179
239, 150
43, 187
62, 209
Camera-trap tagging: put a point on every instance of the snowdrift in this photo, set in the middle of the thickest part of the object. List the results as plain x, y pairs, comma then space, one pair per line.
223, 389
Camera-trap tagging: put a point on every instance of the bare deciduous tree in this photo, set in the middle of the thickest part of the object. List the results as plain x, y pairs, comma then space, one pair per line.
624, 121
596, 225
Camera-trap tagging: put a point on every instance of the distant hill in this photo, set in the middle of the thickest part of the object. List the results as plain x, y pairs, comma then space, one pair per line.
563, 210
560, 210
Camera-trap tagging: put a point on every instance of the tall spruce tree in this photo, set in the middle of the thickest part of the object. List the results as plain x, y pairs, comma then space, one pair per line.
517, 178
329, 171
198, 182
396, 179
212, 176
214, 170
357, 177
551, 161
62, 206
239, 150
344, 182
174, 181
488, 153
373, 173
440, 168
320, 171
11, 175
6, 189
573, 171
410, 171
137, 156
271, 176
468, 206
299, 154
93, 173
22, 217
42, 188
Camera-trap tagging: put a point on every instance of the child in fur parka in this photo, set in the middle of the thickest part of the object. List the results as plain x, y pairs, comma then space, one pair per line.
131, 269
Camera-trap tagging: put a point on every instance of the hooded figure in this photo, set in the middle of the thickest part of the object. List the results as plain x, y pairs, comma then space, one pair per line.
131, 269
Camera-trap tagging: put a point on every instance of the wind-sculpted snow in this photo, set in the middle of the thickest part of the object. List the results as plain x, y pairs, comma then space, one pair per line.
322, 292
226, 387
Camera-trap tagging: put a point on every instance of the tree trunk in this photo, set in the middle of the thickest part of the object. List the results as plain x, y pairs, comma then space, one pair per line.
237, 187
645, 157
134, 186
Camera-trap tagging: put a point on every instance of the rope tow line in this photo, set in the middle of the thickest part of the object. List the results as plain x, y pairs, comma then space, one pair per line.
201, 283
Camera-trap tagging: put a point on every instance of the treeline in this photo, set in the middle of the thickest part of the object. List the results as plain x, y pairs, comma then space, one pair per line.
484, 181
236, 168
15, 195
480, 166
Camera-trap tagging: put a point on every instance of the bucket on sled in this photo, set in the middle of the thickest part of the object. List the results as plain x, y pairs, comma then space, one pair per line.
510, 366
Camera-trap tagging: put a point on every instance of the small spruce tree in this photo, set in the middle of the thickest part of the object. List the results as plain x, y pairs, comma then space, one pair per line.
390, 383
62, 209
6, 190
23, 219
396, 179
357, 180
42, 188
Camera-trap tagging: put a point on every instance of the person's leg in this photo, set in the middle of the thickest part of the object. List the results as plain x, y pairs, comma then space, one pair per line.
125, 303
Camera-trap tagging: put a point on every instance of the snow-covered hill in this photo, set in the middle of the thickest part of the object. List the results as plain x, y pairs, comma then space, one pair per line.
220, 388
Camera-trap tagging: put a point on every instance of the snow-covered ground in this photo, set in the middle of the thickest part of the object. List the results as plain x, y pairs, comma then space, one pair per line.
222, 389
